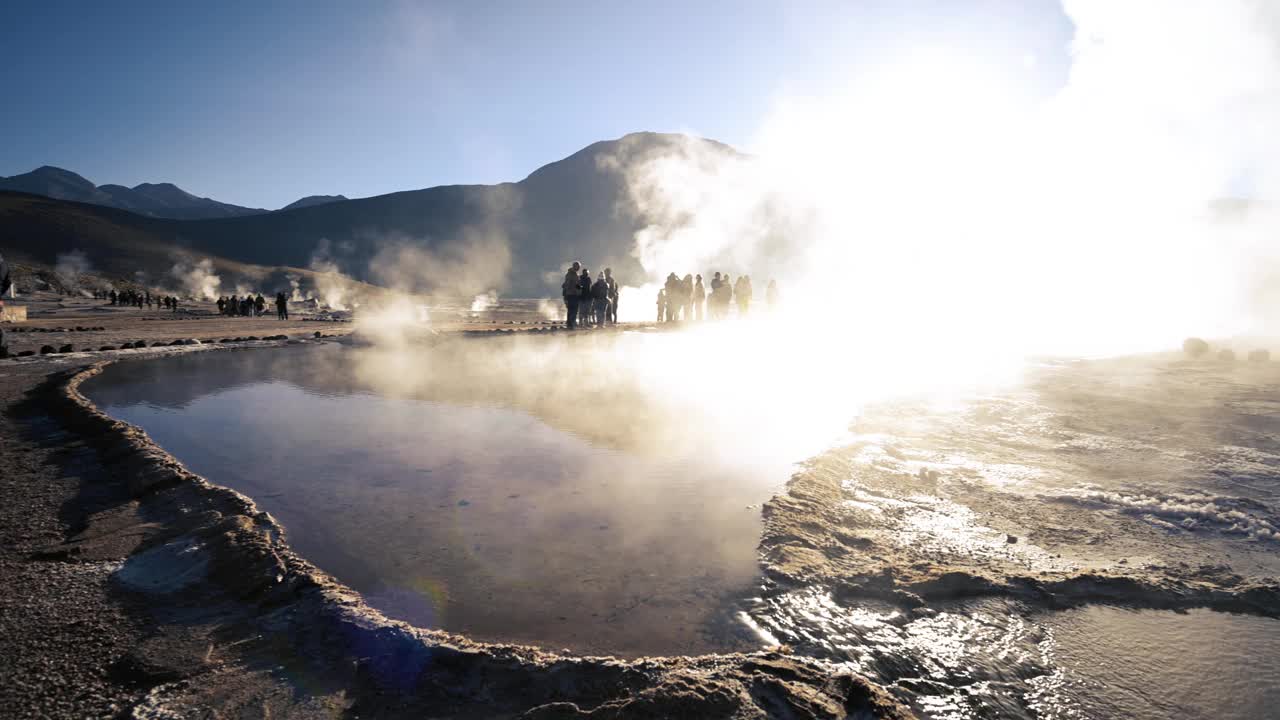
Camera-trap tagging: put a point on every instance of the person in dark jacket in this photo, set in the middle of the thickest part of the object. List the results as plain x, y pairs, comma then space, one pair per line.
259, 305
584, 297
569, 291
282, 306
600, 300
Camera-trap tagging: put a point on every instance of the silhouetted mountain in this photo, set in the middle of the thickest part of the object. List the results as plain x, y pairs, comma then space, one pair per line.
164, 200
513, 237
311, 200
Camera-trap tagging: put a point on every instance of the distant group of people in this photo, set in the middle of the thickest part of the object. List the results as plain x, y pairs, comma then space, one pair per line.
690, 299
595, 302
250, 306
138, 299
589, 303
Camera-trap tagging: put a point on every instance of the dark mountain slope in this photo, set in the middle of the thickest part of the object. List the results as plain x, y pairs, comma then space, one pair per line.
513, 237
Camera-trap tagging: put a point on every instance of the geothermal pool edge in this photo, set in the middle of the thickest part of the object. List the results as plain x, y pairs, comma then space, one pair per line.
230, 616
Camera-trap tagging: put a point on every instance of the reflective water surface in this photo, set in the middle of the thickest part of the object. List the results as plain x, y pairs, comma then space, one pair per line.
526, 498
467, 516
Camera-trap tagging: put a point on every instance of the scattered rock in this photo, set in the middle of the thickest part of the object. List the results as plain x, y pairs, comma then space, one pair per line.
318, 335
1011, 539
26, 353
66, 349
47, 349
105, 348
1195, 347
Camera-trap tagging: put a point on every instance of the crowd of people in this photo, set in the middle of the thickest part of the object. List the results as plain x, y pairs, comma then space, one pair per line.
589, 302
250, 306
138, 299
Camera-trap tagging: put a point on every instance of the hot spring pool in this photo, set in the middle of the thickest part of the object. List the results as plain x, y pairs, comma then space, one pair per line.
535, 493
465, 513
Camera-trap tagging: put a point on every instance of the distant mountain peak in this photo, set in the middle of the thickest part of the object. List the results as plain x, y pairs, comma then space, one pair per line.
312, 200
164, 200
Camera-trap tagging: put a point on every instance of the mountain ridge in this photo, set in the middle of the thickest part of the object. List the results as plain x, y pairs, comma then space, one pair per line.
512, 237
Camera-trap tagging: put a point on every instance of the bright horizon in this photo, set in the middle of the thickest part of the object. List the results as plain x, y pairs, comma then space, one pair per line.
260, 106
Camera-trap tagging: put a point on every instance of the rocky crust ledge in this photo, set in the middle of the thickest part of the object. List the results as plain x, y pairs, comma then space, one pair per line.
232, 622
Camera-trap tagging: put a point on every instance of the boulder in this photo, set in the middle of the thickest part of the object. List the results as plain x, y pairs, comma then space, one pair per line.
26, 353
66, 349
46, 349
105, 348
1195, 347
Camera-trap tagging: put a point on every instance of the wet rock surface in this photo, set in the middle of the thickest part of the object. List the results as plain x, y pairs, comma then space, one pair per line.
140, 589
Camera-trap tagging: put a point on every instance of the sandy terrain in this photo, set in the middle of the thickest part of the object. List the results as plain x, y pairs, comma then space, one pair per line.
135, 588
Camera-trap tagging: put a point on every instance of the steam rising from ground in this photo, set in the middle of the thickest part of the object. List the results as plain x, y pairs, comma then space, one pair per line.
71, 265
929, 206
197, 278
929, 228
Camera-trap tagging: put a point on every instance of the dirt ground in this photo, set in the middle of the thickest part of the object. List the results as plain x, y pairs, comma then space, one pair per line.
88, 325
136, 589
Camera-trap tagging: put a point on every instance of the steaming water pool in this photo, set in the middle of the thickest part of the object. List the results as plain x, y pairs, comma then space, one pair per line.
522, 507
465, 514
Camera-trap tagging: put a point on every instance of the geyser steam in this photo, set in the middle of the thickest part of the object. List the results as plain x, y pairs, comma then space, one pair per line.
930, 208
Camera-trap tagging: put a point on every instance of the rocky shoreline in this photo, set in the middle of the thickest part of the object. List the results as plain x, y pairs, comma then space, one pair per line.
816, 535
186, 600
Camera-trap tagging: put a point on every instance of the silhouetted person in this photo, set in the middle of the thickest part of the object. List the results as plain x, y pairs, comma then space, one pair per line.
584, 297
714, 301
613, 295
259, 305
771, 293
569, 290
662, 304
699, 299
222, 305
743, 291
600, 300
282, 306
672, 286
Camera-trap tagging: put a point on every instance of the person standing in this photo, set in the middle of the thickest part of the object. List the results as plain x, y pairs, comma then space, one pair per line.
743, 291
613, 295
662, 304
259, 305
569, 291
600, 300
714, 301
771, 294
282, 306
699, 299
584, 298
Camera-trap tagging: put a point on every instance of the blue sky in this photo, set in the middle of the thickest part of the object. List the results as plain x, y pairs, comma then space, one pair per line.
259, 104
